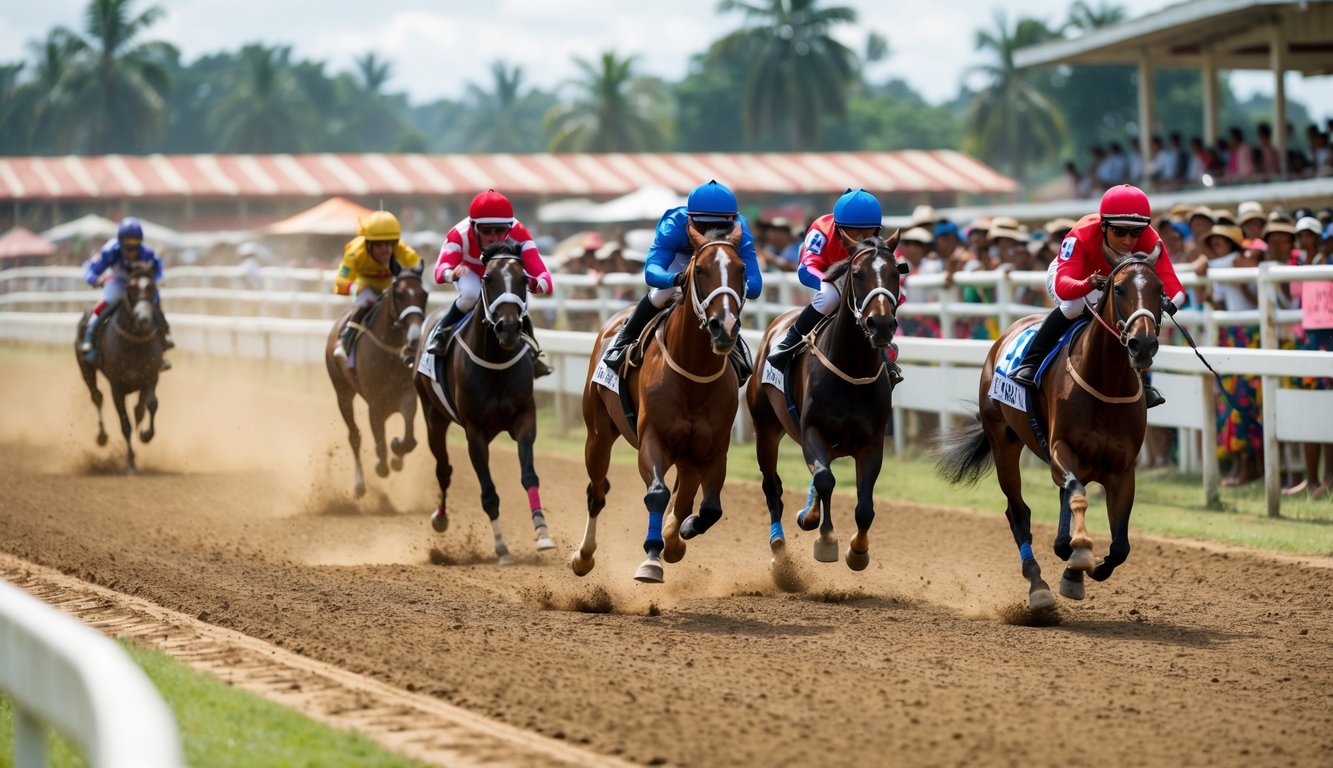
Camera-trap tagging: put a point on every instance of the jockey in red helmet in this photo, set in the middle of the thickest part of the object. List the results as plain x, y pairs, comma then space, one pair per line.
109, 269
858, 214
490, 221
1122, 225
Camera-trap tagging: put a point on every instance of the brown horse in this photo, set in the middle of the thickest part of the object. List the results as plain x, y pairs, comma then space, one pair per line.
686, 394
1090, 403
130, 357
843, 398
384, 353
486, 386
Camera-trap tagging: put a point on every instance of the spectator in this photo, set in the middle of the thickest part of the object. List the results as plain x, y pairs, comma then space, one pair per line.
1240, 163
1134, 162
1315, 298
1239, 435
1267, 161
1113, 169
1176, 147
1252, 219
1165, 165
1197, 166
781, 249
1079, 185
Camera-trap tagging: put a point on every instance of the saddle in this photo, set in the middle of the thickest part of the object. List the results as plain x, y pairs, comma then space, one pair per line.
441, 369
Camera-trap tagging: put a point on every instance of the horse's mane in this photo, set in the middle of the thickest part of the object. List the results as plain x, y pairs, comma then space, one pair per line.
717, 232
509, 247
137, 268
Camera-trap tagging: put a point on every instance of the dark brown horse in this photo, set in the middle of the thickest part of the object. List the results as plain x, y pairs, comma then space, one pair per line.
486, 386
843, 397
384, 353
1091, 407
686, 394
130, 358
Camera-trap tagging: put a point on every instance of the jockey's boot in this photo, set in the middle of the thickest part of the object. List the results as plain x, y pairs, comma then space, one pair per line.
895, 373
167, 342
89, 344
1150, 392
540, 366
740, 360
1052, 328
348, 335
447, 323
614, 356
805, 323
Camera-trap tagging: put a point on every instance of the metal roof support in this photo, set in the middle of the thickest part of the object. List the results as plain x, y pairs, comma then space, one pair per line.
1277, 49
1209, 97
1145, 114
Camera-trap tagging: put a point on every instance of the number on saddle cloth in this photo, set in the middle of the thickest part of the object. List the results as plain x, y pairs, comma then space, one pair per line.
1011, 357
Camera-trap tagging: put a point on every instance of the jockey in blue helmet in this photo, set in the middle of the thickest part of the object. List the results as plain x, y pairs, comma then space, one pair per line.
858, 215
109, 269
710, 208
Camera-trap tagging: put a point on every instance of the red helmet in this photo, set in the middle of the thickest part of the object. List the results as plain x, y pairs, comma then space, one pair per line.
1125, 205
491, 207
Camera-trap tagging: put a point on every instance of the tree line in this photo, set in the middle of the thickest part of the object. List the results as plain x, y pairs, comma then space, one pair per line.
109, 87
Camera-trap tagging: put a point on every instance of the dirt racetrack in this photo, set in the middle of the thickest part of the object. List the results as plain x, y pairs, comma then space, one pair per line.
242, 517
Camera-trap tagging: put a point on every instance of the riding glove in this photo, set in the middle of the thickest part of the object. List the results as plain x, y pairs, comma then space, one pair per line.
679, 279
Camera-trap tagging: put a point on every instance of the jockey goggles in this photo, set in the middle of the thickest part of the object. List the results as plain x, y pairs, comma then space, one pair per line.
492, 230
1120, 231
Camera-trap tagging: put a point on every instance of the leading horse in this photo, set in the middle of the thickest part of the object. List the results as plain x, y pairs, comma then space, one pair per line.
686, 395
485, 384
130, 358
384, 352
842, 395
1090, 403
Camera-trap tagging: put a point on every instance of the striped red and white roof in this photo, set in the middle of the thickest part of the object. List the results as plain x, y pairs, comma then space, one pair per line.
541, 175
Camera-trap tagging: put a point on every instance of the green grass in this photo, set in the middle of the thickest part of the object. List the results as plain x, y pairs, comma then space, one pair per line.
224, 727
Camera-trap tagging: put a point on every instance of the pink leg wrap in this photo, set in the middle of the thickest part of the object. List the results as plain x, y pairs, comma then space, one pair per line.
97, 310
534, 499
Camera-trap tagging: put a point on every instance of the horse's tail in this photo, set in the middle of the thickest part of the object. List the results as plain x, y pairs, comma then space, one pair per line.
964, 455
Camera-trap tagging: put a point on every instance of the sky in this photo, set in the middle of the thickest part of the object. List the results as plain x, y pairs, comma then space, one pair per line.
437, 48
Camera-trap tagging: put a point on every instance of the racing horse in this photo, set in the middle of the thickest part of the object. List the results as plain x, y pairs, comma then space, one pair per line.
685, 392
384, 351
484, 383
841, 394
1090, 409
130, 358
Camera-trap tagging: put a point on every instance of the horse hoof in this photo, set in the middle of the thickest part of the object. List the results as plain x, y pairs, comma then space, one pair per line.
1081, 559
544, 543
359, 490
857, 561
777, 544
650, 572
396, 464
687, 530
146, 437
438, 520
826, 550
382, 469
579, 564
1070, 589
504, 559
102, 439
807, 520
1042, 599
674, 551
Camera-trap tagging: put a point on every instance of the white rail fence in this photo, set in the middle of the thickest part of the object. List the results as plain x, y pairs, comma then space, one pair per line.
287, 317
60, 672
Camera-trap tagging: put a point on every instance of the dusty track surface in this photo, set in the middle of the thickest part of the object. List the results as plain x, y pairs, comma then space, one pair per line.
242, 518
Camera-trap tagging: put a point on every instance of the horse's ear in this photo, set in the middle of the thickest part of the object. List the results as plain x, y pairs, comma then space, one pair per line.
394, 266
697, 238
848, 243
735, 234
892, 240
1156, 252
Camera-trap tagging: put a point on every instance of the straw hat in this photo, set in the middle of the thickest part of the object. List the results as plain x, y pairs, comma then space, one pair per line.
917, 235
1059, 225
1228, 231
1278, 226
1249, 211
1224, 216
924, 216
1180, 212
1203, 211
1006, 226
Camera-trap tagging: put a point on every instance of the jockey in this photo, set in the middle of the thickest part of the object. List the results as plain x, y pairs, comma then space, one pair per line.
366, 263
109, 269
1121, 226
709, 206
490, 221
858, 214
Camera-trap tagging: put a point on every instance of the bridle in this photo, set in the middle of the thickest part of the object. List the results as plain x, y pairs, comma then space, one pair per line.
489, 304
1121, 329
401, 318
700, 306
858, 308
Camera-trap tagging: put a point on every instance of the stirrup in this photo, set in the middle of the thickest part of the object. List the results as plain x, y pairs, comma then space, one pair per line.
338, 350
86, 346
540, 367
1153, 397
895, 374
1025, 375
165, 366
168, 343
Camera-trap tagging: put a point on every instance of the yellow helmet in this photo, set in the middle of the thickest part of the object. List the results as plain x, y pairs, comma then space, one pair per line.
381, 225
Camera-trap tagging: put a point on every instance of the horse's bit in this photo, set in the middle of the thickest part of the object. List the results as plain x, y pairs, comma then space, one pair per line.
701, 305
1121, 330
858, 310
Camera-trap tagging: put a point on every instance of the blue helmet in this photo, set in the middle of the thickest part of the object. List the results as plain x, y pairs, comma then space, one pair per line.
129, 229
858, 209
712, 200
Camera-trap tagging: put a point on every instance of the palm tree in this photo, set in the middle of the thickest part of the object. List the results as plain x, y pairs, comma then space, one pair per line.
263, 111
1011, 120
114, 83
1083, 17
373, 73
614, 111
797, 72
504, 119
52, 124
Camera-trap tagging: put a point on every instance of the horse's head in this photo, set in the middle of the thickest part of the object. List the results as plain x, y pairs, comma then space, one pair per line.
871, 279
715, 283
1132, 305
408, 304
141, 293
504, 292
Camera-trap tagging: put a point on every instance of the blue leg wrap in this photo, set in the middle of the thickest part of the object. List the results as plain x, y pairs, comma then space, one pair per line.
1025, 551
775, 532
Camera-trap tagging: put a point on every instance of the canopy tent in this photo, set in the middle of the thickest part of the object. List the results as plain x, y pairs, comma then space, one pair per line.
335, 216
94, 227
562, 210
644, 204
18, 243
1208, 35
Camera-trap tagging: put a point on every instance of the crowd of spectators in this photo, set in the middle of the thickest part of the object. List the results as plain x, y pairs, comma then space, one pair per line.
1234, 159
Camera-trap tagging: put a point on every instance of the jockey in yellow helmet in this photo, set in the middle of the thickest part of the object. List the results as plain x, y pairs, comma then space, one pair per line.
366, 264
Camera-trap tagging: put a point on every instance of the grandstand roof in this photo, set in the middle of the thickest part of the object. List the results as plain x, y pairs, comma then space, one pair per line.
542, 175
